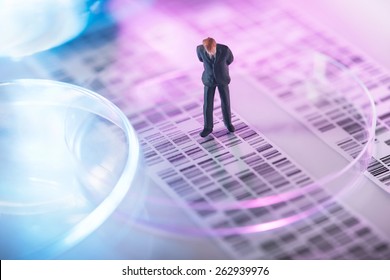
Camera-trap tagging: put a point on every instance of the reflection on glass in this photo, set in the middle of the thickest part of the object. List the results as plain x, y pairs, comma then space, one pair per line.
68, 159
27, 27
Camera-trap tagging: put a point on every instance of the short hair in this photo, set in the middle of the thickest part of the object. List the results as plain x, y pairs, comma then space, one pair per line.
210, 45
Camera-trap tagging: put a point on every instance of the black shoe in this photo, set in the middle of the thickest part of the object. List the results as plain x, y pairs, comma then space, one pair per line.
231, 128
205, 132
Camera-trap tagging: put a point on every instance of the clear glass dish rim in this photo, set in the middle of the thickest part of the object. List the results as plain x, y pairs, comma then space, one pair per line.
97, 217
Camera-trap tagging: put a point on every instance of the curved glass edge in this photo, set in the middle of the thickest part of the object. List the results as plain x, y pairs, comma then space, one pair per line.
361, 158
76, 17
96, 218
361, 161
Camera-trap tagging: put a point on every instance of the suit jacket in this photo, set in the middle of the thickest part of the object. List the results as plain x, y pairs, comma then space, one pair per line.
215, 72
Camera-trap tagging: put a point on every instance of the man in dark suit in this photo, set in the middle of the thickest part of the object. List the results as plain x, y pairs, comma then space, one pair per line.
216, 59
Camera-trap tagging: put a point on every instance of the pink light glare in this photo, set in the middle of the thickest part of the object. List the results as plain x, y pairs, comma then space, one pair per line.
266, 226
174, 41
364, 23
159, 228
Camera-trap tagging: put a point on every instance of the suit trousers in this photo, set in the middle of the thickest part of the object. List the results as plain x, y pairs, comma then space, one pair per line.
208, 106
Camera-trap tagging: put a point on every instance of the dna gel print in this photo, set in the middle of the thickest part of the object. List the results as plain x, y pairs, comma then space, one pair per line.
207, 171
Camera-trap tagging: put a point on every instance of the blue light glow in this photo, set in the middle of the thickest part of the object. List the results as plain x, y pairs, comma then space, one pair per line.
27, 27
53, 166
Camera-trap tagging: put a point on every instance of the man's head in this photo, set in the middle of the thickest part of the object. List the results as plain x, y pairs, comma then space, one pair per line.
210, 46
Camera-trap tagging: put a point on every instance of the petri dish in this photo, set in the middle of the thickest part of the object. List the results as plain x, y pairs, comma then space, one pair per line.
306, 138
68, 159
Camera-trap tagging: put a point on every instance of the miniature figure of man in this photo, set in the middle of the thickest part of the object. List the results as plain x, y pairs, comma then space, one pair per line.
216, 59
